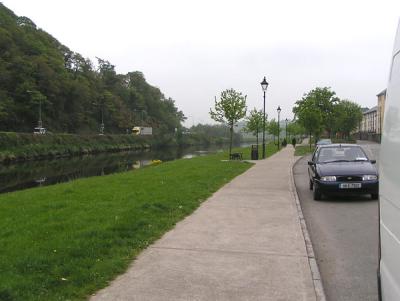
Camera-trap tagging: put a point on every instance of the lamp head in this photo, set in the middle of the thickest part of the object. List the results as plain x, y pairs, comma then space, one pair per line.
264, 84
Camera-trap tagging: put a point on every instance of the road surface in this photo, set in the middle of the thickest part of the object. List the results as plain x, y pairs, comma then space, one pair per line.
344, 233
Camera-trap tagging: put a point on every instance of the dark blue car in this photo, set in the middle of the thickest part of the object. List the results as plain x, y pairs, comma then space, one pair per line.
342, 169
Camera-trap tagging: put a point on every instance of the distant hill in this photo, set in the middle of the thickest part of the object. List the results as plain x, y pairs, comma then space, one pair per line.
37, 69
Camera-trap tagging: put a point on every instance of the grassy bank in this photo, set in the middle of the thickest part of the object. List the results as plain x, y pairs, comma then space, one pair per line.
24, 146
68, 240
270, 149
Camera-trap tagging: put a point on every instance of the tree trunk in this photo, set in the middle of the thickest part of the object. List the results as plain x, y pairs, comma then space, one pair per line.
257, 138
230, 143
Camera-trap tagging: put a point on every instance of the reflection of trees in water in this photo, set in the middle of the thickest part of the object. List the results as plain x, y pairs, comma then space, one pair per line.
30, 174
45, 172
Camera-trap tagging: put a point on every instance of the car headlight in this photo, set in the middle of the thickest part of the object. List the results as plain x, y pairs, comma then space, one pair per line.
328, 178
369, 177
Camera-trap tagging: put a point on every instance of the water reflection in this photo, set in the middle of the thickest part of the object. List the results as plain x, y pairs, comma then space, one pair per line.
47, 172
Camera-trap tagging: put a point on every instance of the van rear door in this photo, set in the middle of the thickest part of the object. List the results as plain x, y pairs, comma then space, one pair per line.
389, 202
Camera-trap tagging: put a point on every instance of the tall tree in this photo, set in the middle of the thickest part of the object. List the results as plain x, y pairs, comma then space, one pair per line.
324, 100
309, 116
273, 128
254, 122
348, 115
229, 109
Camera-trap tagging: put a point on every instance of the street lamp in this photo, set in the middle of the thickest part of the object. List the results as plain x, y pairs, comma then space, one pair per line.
279, 126
286, 120
264, 86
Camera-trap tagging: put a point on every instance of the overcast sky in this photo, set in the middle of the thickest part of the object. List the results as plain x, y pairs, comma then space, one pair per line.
192, 50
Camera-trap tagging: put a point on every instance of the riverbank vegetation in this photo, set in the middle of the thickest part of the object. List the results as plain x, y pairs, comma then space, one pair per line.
207, 134
21, 147
68, 240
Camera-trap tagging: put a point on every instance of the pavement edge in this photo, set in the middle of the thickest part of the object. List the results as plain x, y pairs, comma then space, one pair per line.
316, 276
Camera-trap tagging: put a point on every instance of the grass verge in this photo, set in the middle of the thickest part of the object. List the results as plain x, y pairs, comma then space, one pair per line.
66, 241
302, 150
270, 149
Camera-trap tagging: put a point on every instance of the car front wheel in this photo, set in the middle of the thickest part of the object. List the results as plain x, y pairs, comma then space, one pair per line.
316, 193
374, 196
311, 185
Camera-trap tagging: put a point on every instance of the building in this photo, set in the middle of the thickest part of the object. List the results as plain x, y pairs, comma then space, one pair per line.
380, 110
370, 121
371, 125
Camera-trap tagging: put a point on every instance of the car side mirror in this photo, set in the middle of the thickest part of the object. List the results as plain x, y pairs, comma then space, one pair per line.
310, 163
372, 161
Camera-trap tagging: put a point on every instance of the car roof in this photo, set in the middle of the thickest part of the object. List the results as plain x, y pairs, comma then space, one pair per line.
339, 145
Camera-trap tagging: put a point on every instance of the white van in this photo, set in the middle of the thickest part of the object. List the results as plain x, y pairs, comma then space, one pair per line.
389, 190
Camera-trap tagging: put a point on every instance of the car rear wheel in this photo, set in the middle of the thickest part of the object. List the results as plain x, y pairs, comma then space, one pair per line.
316, 193
374, 196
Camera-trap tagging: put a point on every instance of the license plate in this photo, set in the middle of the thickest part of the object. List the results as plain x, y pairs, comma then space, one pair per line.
349, 185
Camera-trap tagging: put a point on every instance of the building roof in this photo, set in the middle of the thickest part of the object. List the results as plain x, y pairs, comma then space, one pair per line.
382, 93
374, 109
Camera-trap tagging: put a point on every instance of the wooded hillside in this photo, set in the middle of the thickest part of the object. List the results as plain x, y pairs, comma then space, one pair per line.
35, 68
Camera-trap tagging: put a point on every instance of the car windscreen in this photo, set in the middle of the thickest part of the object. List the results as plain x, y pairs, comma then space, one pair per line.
341, 154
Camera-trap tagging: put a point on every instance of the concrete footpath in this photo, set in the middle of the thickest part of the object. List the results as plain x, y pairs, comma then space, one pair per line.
244, 243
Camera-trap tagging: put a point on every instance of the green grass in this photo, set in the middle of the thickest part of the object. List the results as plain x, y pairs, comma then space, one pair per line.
302, 150
270, 149
66, 241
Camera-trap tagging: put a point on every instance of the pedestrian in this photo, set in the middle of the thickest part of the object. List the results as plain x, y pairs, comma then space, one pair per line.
294, 141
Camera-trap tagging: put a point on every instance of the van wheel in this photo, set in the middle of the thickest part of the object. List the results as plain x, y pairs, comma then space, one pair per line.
374, 196
316, 193
311, 185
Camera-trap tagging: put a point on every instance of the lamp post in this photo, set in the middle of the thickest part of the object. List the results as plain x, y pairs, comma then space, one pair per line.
264, 85
286, 120
279, 126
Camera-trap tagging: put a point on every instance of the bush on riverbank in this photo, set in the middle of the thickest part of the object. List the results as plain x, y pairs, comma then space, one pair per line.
24, 146
68, 240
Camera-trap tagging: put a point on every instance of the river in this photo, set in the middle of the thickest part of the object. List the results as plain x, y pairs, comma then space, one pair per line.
29, 174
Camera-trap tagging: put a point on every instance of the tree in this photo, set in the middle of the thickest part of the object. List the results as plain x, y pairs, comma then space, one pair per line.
229, 109
67, 86
295, 129
348, 115
273, 128
324, 99
321, 103
254, 122
309, 116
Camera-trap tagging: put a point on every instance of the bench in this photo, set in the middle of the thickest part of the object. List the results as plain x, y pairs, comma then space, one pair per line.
236, 156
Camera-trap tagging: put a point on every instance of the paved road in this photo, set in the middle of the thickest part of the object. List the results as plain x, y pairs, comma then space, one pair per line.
344, 233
